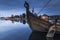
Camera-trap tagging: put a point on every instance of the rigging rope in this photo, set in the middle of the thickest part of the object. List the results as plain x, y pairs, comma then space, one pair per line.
44, 6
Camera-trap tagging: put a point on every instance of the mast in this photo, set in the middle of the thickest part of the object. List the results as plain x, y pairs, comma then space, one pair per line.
26, 5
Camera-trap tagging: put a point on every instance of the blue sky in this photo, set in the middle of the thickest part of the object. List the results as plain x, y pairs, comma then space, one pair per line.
9, 7
16, 7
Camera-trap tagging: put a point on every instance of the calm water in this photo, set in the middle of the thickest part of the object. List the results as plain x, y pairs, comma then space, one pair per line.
19, 31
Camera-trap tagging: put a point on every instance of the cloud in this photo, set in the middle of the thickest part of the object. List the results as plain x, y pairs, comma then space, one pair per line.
11, 4
6, 13
52, 7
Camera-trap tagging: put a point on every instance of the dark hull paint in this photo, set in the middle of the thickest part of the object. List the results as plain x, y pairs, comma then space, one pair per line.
37, 35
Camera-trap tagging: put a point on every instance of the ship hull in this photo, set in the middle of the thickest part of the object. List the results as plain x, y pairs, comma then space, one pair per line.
37, 24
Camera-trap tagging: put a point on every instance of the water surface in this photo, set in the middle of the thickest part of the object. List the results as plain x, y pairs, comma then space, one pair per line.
19, 31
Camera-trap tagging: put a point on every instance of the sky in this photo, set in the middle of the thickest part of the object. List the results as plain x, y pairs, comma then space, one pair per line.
16, 7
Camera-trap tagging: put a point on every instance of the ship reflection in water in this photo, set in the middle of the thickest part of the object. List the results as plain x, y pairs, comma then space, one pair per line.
18, 31
35, 35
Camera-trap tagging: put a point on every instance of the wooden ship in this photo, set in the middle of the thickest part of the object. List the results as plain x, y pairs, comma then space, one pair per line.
38, 23
42, 23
